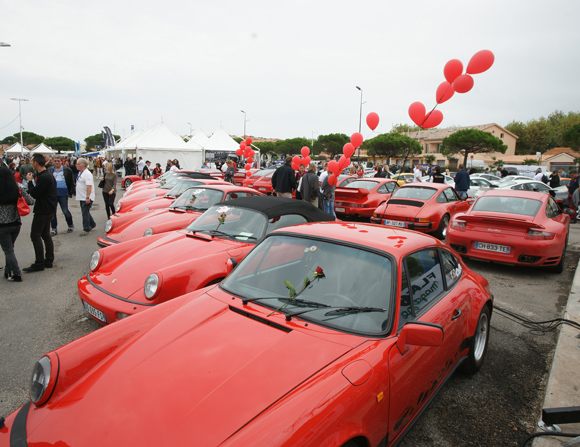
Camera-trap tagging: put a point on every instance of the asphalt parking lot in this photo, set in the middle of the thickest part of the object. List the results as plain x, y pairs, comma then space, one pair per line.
498, 406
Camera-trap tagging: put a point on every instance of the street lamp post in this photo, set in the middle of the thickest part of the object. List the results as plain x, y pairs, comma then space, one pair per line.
20, 119
359, 119
244, 123
190, 130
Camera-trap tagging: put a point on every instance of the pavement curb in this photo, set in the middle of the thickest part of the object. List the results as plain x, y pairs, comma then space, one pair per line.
563, 388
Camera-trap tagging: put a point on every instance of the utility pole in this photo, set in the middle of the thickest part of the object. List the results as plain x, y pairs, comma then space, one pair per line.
20, 119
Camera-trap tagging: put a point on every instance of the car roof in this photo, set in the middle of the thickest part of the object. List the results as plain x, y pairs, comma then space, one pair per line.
273, 206
391, 240
537, 195
226, 187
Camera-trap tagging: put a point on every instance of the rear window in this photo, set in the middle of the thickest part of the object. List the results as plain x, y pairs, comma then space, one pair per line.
366, 184
508, 205
414, 192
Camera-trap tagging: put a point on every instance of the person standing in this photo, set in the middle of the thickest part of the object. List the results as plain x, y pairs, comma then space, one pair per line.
140, 165
572, 188
284, 179
328, 194
146, 174
109, 189
554, 179
230, 172
85, 192
64, 189
157, 171
10, 222
417, 174
321, 178
309, 186
129, 166
299, 175
462, 182
44, 192
437, 176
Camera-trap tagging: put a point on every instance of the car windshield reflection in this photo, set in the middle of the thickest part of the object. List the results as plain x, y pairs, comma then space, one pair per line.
198, 199
241, 224
343, 287
414, 192
365, 184
508, 205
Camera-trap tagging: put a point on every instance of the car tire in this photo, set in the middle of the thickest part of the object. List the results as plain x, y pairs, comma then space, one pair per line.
127, 183
478, 345
559, 268
442, 230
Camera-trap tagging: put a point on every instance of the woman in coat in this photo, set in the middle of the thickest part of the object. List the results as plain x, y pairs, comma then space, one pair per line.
110, 189
10, 222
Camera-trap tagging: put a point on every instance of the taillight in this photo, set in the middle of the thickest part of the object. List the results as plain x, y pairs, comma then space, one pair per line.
458, 225
540, 235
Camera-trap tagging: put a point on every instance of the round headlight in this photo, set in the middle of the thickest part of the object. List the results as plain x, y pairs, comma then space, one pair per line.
40, 380
151, 286
95, 260
148, 232
109, 226
117, 207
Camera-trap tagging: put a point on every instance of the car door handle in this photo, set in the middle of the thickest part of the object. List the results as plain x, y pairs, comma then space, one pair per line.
457, 315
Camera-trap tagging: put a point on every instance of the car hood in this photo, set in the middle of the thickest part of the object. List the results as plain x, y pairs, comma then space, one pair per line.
124, 275
196, 376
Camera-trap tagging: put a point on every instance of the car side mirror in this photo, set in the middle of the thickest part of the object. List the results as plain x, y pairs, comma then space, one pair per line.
568, 211
416, 333
231, 265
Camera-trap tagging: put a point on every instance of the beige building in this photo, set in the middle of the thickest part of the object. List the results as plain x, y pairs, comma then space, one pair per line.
560, 158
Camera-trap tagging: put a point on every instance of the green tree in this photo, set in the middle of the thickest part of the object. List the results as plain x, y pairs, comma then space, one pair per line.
523, 145
404, 128
266, 147
97, 140
390, 145
291, 146
30, 138
331, 144
471, 141
430, 158
571, 137
530, 161
60, 144
10, 140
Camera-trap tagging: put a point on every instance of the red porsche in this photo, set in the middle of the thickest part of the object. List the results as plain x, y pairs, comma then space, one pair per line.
182, 212
296, 347
249, 182
513, 227
133, 276
361, 197
425, 207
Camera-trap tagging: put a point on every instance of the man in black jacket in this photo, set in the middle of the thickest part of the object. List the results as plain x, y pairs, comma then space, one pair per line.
284, 179
44, 191
64, 190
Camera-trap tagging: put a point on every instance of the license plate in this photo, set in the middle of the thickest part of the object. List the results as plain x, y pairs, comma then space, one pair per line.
99, 315
394, 223
339, 210
492, 247
261, 189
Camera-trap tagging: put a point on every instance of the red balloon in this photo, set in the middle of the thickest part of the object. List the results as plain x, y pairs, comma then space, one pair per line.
356, 139
238, 152
480, 62
305, 151
248, 173
306, 161
417, 112
251, 153
296, 160
372, 120
452, 70
332, 180
242, 145
295, 166
333, 166
463, 84
348, 150
248, 141
444, 92
343, 162
433, 119
247, 166
250, 160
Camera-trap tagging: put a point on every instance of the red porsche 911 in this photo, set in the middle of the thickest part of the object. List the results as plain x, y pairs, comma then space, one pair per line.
296, 347
425, 207
133, 276
182, 212
362, 196
513, 227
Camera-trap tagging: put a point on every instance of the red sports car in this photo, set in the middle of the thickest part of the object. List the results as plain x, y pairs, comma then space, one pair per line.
513, 227
128, 180
249, 182
425, 207
362, 196
264, 183
182, 212
133, 276
296, 347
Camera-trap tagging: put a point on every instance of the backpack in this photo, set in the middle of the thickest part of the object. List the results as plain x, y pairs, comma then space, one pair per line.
544, 178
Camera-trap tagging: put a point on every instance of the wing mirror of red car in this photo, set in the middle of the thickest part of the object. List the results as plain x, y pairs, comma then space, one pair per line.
568, 211
416, 333
231, 264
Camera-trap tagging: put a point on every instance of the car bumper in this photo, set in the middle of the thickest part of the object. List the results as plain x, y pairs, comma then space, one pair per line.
424, 227
352, 211
533, 253
104, 307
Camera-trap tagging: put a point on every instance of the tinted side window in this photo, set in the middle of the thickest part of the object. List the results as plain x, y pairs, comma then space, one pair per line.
285, 221
382, 189
451, 195
451, 268
552, 208
391, 186
441, 198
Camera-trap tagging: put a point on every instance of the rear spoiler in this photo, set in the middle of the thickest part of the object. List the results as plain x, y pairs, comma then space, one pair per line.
347, 192
512, 222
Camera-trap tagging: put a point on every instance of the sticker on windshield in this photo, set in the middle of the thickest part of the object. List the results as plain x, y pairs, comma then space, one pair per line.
223, 209
313, 248
197, 191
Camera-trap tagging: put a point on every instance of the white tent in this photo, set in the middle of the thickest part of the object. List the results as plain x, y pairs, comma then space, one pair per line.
16, 149
42, 149
220, 145
199, 140
158, 144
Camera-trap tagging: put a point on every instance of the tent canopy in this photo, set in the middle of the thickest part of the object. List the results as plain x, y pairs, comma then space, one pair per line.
16, 149
43, 149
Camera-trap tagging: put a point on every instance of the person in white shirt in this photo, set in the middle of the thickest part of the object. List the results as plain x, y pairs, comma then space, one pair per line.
539, 175
85, 192
323, 175
140, 166
417, 173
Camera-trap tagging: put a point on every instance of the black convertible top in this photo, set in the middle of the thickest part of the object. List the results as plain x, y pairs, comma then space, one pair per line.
273, 206
194, 175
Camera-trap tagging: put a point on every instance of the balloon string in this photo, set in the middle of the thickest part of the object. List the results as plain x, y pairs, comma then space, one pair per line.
437, 103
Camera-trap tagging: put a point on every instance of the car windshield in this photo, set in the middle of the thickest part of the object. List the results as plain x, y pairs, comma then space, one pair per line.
349, 277
414, 192
508, 205
182, 186
262, 173
198, 199
365, 184
171, 182
237, 223
511, 179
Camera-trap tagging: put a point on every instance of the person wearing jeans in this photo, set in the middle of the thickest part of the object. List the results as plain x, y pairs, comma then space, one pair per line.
64, 189
85, 192
109, 189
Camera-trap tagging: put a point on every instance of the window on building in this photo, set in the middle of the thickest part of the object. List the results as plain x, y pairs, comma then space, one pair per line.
426, 148
501, 135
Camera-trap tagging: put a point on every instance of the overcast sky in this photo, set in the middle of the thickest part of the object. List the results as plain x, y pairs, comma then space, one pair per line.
292, 66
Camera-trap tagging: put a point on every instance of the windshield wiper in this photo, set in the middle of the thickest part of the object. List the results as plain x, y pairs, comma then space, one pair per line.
298, 301
353, 310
